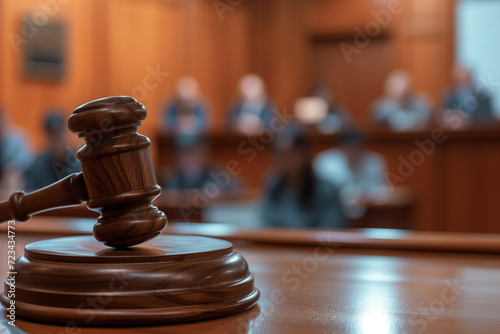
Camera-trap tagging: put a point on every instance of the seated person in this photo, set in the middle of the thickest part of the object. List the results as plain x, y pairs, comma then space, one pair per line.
15, 157
187, 112
337, 116
468, 102
192, 169
295, 196
253, 110
58, 160
400, 108
358, 172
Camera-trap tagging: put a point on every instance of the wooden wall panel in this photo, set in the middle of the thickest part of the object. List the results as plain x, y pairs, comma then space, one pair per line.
329, 16
219, 53
181, 38
358, 83
424, 180
112, 47
471, 194
420, 39
272, 38
429, 38
431, 76
145, 62
280, 49
27, 100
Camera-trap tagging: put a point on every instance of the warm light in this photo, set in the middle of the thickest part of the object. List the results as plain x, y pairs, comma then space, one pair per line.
311, 110
376, 300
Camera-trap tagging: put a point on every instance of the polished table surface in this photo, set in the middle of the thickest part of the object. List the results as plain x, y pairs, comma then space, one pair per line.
341, 282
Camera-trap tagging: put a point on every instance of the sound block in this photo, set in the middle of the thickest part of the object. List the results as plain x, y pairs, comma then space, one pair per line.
77, 280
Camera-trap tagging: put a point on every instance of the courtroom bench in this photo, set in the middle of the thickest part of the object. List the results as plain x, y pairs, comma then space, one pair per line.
453, 175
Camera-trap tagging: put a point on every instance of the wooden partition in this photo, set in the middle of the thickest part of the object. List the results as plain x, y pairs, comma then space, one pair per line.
453, 175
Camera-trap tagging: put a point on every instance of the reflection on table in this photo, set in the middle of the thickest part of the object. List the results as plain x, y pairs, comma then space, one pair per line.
311, 281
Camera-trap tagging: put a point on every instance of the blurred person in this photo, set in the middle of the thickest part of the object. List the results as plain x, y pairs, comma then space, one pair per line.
58, 160
357, 171
253, 110
295, 196
337, 116
187, 113
193, 170
15, 157
468, 102
400, 108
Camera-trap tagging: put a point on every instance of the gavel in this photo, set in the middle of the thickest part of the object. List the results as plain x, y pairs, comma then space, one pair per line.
117, 178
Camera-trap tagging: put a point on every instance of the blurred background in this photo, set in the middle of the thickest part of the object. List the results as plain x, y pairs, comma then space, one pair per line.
296, 113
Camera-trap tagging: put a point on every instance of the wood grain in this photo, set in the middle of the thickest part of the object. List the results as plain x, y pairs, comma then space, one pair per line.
352, 290
169, 279
118, 170
117, 178
67, 192
359, 287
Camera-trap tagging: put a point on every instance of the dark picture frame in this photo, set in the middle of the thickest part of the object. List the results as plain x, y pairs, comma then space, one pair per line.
45, 50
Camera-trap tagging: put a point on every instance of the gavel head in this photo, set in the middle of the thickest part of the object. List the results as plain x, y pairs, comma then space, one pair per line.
117, 169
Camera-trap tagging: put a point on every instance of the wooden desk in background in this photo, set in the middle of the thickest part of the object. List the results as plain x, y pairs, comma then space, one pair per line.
312, 281
454, 175
394, 211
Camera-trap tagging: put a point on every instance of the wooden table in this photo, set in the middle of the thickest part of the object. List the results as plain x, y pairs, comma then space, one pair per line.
351, 281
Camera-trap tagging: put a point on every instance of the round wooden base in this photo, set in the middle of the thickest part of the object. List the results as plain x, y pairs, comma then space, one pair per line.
77, 280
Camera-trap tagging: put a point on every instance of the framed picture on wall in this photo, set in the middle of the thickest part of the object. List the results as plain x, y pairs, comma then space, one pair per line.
45, 50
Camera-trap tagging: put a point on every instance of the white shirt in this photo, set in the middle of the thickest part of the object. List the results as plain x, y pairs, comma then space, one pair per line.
332, 165
366, 179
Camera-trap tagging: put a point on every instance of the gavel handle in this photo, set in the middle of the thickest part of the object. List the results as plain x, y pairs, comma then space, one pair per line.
67, 192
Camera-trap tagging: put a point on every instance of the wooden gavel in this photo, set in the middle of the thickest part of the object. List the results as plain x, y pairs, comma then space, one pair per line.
117, 177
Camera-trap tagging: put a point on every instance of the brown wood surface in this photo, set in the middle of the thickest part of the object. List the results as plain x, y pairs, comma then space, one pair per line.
118, 171
341, 290
167, 280
66, 192
117, 177
40, 228
351, 288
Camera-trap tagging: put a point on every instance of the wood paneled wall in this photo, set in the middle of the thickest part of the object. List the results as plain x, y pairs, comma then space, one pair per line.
27, 100
298, 44
113, 46
132, 47
280, 50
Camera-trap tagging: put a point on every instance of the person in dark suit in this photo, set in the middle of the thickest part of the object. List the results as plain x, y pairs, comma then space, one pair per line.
358, 172
253, 110
294, 195
193, 170
15, 157
187, 113
400, 108
465, 100
337, 117
58, 160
